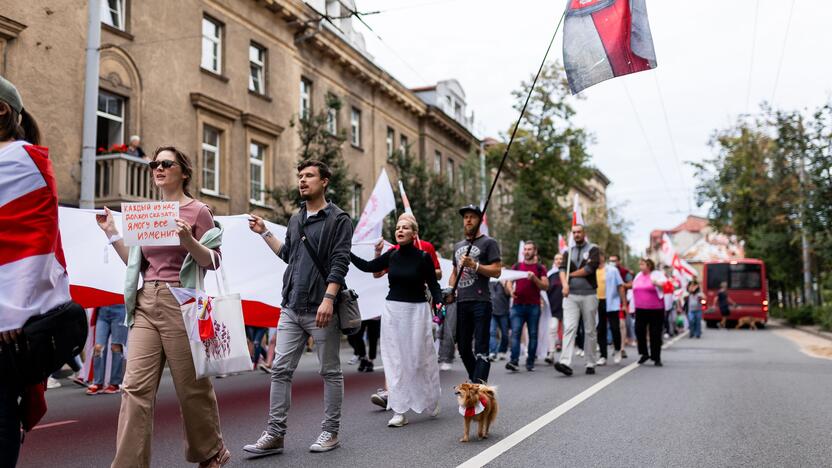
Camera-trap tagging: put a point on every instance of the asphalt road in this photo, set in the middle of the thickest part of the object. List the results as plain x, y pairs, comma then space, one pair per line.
733, 398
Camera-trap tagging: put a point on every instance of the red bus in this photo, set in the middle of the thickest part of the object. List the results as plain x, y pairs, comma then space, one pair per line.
747, 287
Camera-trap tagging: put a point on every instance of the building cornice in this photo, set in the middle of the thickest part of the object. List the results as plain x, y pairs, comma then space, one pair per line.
201, 101
9, 28
261, 124
450, 125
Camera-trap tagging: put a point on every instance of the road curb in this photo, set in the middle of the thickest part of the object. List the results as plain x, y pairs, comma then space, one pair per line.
820, 334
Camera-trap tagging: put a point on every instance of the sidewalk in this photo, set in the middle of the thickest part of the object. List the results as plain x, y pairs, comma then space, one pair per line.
811, 329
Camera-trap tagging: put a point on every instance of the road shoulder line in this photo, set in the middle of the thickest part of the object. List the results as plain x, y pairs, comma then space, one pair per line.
502, 446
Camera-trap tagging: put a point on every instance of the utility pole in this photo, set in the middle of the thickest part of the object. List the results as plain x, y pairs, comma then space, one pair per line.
808, 295
90, 106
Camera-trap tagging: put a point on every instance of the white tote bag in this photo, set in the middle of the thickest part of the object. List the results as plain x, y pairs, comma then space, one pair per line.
227, 352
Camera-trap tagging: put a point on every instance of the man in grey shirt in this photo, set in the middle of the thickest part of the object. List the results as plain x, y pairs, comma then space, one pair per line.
579, 299
308, 306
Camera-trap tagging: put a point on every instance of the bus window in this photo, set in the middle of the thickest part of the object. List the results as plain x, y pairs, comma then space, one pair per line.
717, 273
745, 276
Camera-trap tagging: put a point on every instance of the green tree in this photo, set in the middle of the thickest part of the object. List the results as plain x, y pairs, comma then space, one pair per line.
547, 158
432, 199
317, 142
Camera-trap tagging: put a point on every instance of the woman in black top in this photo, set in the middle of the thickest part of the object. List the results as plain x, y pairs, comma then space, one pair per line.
410, 362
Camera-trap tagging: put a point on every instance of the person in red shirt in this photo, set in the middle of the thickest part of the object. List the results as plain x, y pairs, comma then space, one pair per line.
526, 308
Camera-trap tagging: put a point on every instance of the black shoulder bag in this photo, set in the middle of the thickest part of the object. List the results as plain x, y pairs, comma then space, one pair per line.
346, 305
47, 342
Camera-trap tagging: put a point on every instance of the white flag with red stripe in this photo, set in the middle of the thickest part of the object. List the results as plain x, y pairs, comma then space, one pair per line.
381, 202
577, 218
668, 255
33, 277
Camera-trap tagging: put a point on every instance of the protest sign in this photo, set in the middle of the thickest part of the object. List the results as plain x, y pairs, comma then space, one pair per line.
149, 223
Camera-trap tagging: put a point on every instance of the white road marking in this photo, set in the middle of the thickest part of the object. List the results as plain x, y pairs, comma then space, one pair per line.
526, 431
54, 424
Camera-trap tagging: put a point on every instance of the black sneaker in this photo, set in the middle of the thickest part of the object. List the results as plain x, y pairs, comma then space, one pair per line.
644, 358
563, 369
659, 364
530, 368
368, 365
512, 366
590, 371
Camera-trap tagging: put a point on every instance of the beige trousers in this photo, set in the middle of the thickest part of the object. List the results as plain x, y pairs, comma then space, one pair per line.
158, 335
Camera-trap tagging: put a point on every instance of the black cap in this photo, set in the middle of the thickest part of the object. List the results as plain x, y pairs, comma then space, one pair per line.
472, 208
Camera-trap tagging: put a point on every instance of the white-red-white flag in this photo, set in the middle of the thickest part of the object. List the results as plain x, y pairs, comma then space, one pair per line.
381, 202
562, 247
680, 268
33, 277
577, 218
405, 200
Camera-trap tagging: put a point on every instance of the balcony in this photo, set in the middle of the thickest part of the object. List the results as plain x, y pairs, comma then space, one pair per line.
120, 177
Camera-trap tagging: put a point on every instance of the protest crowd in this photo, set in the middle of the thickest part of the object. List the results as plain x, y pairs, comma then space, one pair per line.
587, 304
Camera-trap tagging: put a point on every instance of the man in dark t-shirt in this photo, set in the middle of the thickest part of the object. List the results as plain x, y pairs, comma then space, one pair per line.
473, 297
526, 309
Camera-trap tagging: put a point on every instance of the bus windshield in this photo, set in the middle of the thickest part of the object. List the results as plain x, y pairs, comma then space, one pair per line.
738, 276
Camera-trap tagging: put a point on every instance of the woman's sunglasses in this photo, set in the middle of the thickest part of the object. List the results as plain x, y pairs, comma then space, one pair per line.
166, 164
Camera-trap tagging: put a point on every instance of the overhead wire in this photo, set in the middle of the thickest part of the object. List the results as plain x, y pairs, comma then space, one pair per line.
670, 135
647, 141
782, 52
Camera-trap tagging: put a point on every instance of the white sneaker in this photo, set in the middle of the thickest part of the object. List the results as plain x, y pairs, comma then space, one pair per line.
616, 357
445, 366
354, 360
501, 356
52, 383
580, 352
398, 420
601, 362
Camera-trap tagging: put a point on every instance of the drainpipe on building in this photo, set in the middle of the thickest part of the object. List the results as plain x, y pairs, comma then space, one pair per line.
90, 106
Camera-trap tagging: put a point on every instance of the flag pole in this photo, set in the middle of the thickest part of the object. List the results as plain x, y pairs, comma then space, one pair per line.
508, 147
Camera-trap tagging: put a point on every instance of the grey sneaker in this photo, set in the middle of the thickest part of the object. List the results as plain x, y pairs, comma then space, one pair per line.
267, 444
379, 398
326, 441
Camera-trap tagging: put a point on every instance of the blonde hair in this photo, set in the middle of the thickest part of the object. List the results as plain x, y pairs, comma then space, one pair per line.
411, 219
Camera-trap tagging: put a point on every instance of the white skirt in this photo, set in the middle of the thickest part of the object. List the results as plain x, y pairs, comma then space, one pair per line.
409, 358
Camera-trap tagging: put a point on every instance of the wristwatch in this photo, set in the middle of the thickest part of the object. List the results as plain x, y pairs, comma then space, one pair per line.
329, 296
266, 234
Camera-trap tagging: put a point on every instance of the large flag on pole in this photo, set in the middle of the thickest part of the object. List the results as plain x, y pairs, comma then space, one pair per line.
680, 268
381, 202
603, 39
405, 201
562, 247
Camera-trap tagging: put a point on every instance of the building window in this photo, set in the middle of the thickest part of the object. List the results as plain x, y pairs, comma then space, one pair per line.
210, 159
257, 68
437, 162
257, 183
451, 175
305, 98
211, 45
110, 125
332, 117
355, 205
112, 13
403, 144
355, 127
391, 137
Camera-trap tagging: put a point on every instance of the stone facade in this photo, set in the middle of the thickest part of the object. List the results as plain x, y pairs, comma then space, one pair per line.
153, 62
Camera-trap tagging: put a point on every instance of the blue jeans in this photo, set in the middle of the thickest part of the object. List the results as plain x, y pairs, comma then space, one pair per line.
255, 335
109, 326
529, 315
695, 318
500, 322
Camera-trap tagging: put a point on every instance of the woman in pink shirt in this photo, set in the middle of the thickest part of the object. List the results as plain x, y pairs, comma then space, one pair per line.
647, 296
157, 332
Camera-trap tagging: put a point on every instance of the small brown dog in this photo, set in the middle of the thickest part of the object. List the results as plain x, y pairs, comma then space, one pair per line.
750, 321
477, 402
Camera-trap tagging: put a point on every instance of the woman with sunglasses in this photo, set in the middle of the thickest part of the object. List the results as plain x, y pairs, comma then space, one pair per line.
157, 333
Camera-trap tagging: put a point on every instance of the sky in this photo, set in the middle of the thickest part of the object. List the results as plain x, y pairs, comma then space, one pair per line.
715, 63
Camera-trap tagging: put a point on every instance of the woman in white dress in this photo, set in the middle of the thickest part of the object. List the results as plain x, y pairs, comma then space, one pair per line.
410, 361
